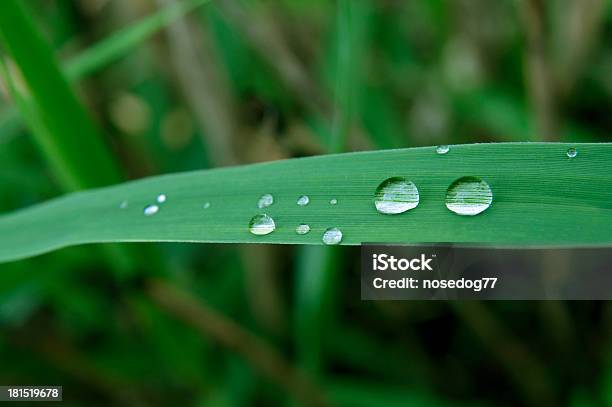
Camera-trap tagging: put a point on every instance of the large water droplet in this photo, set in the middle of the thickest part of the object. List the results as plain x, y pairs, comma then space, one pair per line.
333, 201
265, 201
161, 198
261, 225
150, 210
572, 152
468, 196
396, 195
303, 200
332, 236
443, 149
302, 229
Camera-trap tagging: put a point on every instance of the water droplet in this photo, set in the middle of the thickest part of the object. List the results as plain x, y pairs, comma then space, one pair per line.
261, 225
123, 205
206, 205
302, 229
468, 196
150, 210
443, 149
396, 195
332, 236
303, 200
334, 201
572, 152
265, 201
161, 198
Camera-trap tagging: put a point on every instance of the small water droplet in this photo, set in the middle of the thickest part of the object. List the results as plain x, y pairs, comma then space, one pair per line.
206, 205
334, 201
443, 149
150, 210
572, 152
302, 229
261, 225
468, 196
123, 205
161, 198
303, 200
265, 201
396, 195
332, 236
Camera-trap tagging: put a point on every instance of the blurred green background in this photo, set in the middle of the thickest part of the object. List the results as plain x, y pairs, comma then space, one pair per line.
249, 81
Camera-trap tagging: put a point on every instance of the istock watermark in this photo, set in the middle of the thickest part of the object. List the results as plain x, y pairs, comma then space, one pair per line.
385, 262
445, 272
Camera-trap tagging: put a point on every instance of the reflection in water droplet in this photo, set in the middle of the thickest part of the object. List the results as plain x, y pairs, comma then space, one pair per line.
123, 205
302, 229
332, 236
333, 201
303, 200
151, 210
468, 196
161, 198
206, 205
396, 195
265, 201
261, 225
572, 152
443, 149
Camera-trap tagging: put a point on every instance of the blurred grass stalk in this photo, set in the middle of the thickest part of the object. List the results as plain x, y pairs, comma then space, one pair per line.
204, 87
523, 367
547, 84
345, 77
319, 266
71, 361
258, 353
123, 40
269, 40
540, 77
201, 80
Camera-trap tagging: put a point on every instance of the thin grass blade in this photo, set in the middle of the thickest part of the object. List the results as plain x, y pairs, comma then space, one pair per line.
539, 197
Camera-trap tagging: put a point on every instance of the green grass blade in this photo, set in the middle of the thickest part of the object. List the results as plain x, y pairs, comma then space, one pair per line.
540, 196
70, 139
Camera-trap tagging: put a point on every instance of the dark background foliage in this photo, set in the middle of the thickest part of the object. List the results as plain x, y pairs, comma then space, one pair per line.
249, 81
